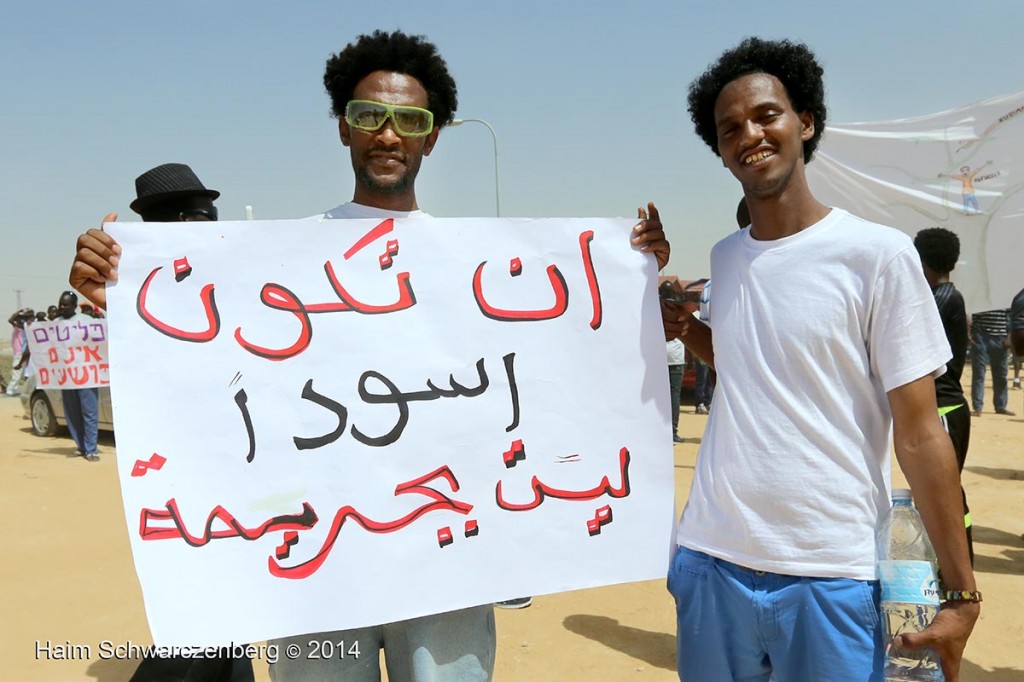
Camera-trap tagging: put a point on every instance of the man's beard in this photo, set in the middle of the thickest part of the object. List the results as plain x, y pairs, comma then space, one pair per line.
400, 186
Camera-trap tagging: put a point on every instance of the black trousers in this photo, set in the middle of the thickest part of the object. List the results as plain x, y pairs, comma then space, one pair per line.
958, 426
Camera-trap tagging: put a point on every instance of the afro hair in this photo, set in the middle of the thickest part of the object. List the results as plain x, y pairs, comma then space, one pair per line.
792, 63
399, 53
939, 249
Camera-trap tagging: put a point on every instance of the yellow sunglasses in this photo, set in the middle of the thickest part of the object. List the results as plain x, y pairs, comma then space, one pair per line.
407, 121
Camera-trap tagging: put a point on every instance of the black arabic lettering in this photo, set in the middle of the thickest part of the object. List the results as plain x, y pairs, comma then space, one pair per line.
241, 399
401, 400
323, 401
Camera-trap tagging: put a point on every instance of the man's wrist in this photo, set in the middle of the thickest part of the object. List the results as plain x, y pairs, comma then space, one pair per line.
960, 596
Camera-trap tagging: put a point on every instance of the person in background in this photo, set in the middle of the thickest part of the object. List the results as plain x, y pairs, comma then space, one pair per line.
676, 362
988, 336
939, 249
1017, 330
81, 405
170, 192
19, 344
705, 380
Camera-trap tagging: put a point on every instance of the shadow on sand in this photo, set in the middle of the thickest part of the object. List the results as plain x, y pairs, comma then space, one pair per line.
657, 649
998, 474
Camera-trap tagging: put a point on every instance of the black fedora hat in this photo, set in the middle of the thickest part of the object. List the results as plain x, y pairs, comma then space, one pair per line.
165, 182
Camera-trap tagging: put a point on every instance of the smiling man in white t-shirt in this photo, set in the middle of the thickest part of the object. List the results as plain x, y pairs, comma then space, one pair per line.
826, 340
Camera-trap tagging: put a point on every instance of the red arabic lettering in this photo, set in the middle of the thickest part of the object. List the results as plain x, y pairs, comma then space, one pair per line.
595, 289
440, 502
209, 307
541, 490
558, 286
406, 296
379, 231
281, 298
304, 520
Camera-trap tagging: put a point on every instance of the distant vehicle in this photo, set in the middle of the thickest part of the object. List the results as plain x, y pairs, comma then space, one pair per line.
45, 408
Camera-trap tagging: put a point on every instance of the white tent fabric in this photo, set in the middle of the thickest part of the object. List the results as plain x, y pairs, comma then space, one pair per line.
961, 169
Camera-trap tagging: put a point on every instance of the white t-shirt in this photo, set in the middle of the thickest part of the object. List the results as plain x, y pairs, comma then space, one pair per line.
354, 210
705, 302
810, 332
676, 352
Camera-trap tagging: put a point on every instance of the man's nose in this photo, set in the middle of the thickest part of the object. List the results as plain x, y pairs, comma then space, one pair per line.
752, 132
387, 133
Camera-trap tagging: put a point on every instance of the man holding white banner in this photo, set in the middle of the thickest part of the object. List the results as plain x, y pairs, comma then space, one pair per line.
391, 93
81, 405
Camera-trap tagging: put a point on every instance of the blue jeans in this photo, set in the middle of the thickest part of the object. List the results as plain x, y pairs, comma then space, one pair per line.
738, 625
457, 646
82, 413
988, 350
675, 386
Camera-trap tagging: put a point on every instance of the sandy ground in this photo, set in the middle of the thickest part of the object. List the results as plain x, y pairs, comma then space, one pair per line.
69, 576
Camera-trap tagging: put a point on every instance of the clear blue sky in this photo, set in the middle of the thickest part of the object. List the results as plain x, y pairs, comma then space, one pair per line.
588, 100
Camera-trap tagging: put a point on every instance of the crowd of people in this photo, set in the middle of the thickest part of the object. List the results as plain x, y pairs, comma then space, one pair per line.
773, 567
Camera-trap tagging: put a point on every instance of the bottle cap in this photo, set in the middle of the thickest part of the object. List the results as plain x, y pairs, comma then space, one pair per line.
901, 494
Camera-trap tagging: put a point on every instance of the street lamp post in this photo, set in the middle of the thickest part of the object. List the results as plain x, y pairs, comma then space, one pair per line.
494, 136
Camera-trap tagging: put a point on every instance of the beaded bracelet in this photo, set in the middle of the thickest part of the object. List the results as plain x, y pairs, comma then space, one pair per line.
972, 596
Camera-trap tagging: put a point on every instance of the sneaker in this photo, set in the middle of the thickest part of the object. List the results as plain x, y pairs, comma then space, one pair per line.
92, 457
1016, 383
976, 413
1008, 413
701, 409
520, 603
677, 439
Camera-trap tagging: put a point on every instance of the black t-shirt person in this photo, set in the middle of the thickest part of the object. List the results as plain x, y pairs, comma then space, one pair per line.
953, 312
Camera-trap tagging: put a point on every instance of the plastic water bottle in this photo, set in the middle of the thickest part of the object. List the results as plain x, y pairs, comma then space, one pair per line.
910, 592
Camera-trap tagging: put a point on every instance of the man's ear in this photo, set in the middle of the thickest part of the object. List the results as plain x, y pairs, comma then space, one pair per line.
807, 121
431, 140
344, 132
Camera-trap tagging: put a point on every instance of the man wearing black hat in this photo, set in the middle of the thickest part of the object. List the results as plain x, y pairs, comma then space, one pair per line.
172, 192
168, 193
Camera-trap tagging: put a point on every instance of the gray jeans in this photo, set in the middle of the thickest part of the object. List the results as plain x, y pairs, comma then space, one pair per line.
457, 646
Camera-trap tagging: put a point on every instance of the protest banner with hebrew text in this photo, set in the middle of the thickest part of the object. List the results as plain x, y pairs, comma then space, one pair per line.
69, 354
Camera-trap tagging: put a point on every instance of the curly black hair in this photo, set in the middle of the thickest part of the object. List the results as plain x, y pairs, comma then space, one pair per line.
792, 63
397, 52
939, 248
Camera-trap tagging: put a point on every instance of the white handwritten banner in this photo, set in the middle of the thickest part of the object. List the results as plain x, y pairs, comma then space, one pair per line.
326, 424
962, 170
69, 354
